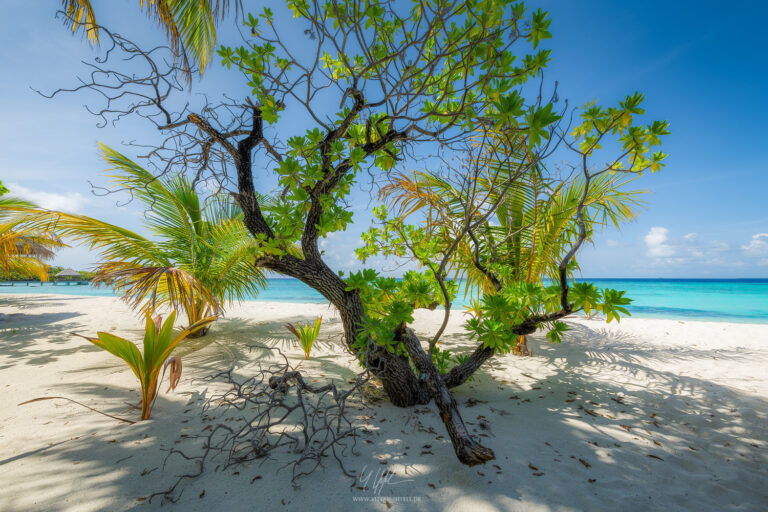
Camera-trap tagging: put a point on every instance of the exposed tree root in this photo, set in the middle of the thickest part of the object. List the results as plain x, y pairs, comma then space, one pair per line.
468, 451
280, 412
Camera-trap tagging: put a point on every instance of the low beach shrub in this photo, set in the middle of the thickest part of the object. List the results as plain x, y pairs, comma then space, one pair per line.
159, 342
306, 333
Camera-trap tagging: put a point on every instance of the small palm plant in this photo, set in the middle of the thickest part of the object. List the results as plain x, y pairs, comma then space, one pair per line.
533, 226
306, 333
24, 248
200, 258
159, 342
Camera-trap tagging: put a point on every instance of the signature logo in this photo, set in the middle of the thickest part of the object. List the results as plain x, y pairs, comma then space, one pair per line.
377, 480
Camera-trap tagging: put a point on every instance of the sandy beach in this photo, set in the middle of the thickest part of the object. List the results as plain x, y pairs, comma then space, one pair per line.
641, 415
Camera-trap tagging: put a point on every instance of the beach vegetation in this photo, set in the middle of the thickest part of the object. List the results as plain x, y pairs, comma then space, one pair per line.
159, 343
24, 249
201, 256
306, 334
511, 257
510, 181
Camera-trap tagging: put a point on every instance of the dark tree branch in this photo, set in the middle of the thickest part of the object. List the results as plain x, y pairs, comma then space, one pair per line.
468, 450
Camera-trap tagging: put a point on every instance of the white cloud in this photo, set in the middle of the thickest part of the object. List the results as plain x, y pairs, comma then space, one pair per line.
657, 242
757, 246
69, 202
688, 249
763, 262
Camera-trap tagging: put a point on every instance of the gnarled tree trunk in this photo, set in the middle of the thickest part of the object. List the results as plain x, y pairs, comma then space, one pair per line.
468, 451
398, 380
401, 385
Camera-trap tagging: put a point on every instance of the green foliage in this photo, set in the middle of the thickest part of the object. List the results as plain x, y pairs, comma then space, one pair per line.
24, 247
3, 190
555, 333
159, 343
637, 141
511, 253
465, 69
201, 254
306, 334
613, 302
390, 303
532, 254
442, 360
585, 296
497, 312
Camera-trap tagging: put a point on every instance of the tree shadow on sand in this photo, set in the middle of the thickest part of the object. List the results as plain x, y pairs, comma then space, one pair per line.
20, 334
606, 429
595, 423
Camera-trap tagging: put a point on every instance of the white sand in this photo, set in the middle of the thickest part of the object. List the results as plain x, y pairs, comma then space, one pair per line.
645, 415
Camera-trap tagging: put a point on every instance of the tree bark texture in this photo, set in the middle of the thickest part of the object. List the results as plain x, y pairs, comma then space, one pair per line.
468, 451
398, 380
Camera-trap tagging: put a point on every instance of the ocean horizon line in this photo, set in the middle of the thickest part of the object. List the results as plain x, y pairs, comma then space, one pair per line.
718, 299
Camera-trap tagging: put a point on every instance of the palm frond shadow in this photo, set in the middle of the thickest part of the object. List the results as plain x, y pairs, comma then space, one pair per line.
19, 331
37, 301
540, 420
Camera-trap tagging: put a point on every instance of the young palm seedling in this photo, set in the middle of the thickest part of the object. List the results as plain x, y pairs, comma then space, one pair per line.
306, 333
159, 342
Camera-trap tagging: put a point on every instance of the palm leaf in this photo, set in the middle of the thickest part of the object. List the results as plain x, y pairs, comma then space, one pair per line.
190, 25
148, 288
24, 247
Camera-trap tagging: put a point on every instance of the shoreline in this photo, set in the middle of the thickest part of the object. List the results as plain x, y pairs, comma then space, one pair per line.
652, 414
458, 310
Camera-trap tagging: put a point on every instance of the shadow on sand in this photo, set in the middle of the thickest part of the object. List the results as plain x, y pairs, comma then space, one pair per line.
602, 426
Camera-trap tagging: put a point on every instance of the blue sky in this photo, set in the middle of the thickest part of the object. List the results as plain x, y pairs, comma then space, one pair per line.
701, 65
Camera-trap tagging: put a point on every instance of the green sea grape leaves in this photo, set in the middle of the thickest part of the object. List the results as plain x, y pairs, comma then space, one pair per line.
464, 70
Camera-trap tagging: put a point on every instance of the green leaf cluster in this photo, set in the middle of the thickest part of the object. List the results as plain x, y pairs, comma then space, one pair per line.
389, 302
637, 141
497, 312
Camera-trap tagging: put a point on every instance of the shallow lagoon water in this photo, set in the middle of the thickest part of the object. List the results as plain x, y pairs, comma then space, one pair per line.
732, 300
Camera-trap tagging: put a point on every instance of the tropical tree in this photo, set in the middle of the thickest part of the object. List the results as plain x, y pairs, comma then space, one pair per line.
23, 249
201, 259
531, 229
190, 25
413, 82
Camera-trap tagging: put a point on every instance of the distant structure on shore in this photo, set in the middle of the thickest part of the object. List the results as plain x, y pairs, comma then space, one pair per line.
68, 276
56, 275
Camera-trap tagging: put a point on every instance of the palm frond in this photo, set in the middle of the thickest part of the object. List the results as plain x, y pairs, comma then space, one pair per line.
148, 288
190, 25
26, 266
232, 274
81, 14
24, 247
203, 256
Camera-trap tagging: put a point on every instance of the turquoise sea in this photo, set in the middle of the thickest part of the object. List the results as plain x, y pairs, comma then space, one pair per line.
725, 300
